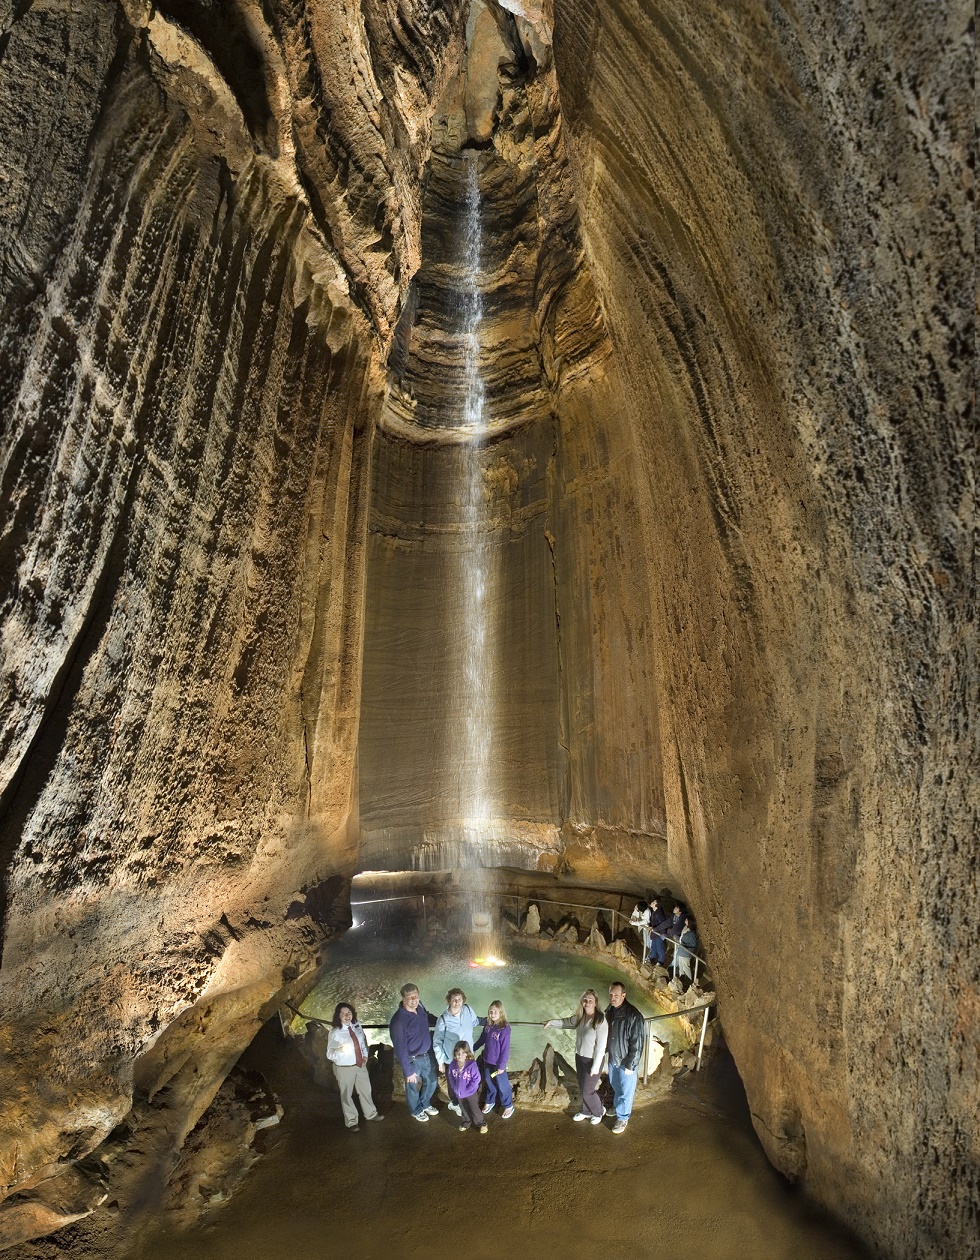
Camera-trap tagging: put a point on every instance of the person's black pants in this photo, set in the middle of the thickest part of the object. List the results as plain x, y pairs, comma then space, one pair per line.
471, 1111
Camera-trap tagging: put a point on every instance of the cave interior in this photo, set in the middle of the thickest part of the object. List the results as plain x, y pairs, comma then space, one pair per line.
491, 445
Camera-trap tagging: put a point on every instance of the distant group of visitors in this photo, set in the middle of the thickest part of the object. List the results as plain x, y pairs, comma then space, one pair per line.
427, 1048
658, 929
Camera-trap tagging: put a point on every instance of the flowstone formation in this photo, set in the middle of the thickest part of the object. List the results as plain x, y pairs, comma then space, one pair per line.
210, 213
726, 362
776, 209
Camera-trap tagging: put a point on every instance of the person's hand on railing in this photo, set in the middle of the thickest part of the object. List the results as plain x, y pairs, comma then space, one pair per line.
552, 1023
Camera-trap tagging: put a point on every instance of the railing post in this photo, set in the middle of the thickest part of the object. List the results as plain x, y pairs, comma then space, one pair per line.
704, 1029
646, 1050
696, 961
425, 921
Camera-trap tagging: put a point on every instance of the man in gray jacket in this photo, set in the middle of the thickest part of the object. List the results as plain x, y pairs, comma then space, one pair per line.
625, 1046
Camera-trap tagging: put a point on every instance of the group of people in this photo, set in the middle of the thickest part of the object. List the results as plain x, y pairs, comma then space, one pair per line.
658, 929
454, 1043
616, 1032
447, 1047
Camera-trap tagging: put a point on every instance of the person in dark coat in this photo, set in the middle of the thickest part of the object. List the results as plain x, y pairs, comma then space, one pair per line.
658, 925
675, 927
624, 1046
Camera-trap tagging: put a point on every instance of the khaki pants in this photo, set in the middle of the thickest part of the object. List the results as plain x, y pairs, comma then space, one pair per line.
350, 1079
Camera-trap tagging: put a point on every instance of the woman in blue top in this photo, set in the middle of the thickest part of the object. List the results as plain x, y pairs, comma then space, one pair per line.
456, 1023
495, 1040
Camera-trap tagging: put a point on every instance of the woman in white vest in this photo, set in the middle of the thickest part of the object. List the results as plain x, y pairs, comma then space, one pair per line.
347, 1050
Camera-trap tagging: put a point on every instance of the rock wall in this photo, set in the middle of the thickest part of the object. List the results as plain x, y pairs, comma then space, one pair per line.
576, 781
207, 216
775, 207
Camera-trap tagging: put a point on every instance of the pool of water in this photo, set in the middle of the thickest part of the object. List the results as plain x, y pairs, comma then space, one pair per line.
533, 987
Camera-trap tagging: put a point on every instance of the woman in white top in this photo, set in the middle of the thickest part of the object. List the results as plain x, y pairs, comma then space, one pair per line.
591, 1034
640, 919
347, 1050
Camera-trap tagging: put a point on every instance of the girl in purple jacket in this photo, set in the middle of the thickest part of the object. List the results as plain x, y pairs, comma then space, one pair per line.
495, 1040
464, 1076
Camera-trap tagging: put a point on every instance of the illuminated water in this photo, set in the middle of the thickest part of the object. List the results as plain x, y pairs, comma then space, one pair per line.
533, 986
476, 686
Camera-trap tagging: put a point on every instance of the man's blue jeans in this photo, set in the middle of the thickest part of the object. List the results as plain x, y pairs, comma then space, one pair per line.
623, 1087
419, 1096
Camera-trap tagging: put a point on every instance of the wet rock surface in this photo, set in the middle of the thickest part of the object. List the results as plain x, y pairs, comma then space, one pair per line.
689, 1164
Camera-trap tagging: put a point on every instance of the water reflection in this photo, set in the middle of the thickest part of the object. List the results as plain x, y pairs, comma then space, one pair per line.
533, 987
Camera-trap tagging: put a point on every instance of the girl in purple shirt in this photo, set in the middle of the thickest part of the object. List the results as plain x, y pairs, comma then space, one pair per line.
464, 1076
495, 1040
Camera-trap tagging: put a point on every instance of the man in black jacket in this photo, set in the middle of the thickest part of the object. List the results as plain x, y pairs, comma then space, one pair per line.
625, 1046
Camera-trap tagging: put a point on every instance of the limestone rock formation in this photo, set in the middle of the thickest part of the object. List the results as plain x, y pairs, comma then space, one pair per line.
775, 206
206, 234
727, 366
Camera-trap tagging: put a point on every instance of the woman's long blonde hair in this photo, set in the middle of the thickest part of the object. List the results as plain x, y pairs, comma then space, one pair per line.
598, 1018
503, 1014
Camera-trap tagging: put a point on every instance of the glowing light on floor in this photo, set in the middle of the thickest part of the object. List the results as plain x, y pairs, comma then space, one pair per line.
489, 961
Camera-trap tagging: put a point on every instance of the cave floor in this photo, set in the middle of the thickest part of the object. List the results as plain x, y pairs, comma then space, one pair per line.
687, 1179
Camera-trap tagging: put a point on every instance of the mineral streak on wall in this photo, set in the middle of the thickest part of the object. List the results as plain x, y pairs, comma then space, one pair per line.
727, 361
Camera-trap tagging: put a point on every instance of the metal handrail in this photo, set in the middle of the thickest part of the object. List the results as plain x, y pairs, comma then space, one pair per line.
574, 905
532, 1023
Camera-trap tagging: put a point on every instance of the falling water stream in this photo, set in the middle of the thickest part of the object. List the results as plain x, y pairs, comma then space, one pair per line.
476, 691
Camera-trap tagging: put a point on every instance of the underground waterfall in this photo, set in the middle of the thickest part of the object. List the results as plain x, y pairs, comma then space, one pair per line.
477, 689
487, 479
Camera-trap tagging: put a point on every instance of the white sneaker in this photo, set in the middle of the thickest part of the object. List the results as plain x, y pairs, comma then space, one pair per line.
455, 1107
489, 1107
595, 1119
432, 1111
619, 1126
581, 1115
421, 1117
